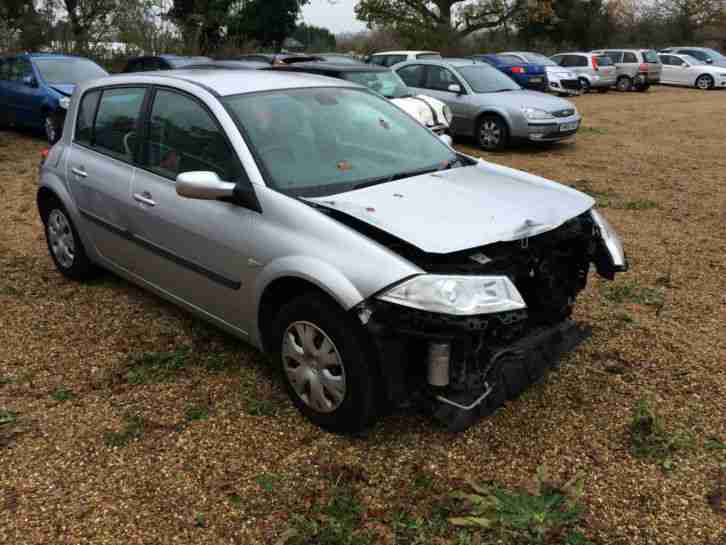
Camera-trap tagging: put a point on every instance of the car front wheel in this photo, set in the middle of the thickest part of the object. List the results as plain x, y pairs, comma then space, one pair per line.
624, 83
584, 86
492, 133
704, 82
331, 374
65, 245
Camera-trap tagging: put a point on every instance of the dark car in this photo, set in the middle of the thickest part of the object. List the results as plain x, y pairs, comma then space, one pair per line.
276, 58
35, 89
151, 63
227, 65
527, 75
340, 58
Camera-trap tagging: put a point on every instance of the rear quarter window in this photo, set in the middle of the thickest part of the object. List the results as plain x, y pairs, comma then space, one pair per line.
603, 60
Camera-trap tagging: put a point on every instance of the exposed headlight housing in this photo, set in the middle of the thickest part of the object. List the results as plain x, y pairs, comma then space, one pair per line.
612, 241
535, 114
448, 114
456, 295
64, 102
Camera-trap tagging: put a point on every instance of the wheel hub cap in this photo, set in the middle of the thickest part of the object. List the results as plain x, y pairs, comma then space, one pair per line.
490, 134
313, 366
61, 240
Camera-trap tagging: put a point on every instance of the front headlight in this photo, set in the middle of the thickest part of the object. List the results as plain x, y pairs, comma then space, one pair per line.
457, 295
612, 240
448, 114
534, 114
64, 102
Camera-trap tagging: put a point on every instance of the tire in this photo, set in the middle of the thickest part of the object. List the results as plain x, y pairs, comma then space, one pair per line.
52, 127
492, 133
330, 371
515, 379
584, 86
705, 82
64, 245
624, 84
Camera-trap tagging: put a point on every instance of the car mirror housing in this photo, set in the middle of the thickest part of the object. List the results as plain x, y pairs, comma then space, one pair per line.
455, 88
203, 185
709, 60
30, 81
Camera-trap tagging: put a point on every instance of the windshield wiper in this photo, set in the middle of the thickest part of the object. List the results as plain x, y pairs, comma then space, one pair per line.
502, 90
394, 177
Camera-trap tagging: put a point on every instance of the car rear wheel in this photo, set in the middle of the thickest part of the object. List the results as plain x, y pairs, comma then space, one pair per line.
584, 85
64, 244
705, 82
624, 83
331, 374
492, 133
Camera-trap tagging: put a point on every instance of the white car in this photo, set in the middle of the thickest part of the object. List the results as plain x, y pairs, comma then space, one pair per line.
389, 58
559, 79
689, 71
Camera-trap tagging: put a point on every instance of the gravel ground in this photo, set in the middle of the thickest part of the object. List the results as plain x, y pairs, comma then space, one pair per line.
125, 420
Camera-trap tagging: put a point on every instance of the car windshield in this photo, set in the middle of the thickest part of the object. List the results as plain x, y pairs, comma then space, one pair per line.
650, 56
320, 141
483, 78
691, 60
388, 84
68, 71
536, 58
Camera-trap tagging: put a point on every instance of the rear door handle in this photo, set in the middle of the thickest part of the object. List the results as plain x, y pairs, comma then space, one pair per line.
80, 172
145, 198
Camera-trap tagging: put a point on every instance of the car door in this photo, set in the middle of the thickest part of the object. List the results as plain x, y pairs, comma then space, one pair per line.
24, 94
191, 247
100, 169
436, 82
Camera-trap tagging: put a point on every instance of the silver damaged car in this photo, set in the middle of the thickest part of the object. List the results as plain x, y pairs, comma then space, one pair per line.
325, 226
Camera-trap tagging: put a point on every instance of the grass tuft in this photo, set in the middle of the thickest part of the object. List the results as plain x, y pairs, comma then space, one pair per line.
649, 438
7, 417
546, 514
629, 291
62, 394
157, 366
638, 204
597, 131
132, 431
196, 412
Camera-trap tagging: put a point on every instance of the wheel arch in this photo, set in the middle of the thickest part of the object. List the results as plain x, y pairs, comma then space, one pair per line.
492, 112
699, 76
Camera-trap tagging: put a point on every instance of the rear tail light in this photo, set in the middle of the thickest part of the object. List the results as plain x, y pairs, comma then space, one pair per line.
595, 64
643, 67
517, 69
44, 154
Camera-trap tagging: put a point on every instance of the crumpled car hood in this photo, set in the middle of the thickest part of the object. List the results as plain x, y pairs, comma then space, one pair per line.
462, 208
64, 89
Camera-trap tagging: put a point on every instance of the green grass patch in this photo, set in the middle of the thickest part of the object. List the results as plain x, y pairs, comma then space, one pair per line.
546, 514
6, 379
629, 291
157, 366
261, 407
9, 291
595, 131
650, 439
133, 430
196, 412
714, 444
638, 204
267, 481
62, 394
8, 417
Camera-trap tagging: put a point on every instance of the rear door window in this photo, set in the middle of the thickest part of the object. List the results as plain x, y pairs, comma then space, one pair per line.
115, 127
629, 57
700, 55
394, 59
615, 56
183, 136
412, 75
603, 60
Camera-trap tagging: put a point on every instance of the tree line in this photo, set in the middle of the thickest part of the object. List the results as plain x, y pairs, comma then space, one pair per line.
452, 26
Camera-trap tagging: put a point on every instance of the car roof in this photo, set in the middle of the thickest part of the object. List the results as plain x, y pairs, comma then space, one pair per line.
239, 65
227, 82
404, 52
337, 67
42, 55
579, 53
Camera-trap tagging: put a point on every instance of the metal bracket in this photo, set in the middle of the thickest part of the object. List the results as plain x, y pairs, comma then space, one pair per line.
476, 402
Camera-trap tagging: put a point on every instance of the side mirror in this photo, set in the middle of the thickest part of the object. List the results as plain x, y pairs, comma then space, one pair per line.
30, 81
709, 60
203, 185
455, 88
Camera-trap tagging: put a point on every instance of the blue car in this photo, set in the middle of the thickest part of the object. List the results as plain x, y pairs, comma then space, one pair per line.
35, 89
527, 75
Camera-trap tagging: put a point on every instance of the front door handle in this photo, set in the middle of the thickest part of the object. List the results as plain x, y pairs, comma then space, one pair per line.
145, 198
80, 172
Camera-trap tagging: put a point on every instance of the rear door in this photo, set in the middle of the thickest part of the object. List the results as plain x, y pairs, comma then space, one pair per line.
191, 247
606, 67
652, 62
630, 65
100, 169
668, 75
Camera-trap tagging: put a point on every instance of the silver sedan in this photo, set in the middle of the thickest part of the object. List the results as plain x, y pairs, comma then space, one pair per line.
489, 105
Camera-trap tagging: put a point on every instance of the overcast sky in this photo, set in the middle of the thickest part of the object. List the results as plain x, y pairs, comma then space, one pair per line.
337, 15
